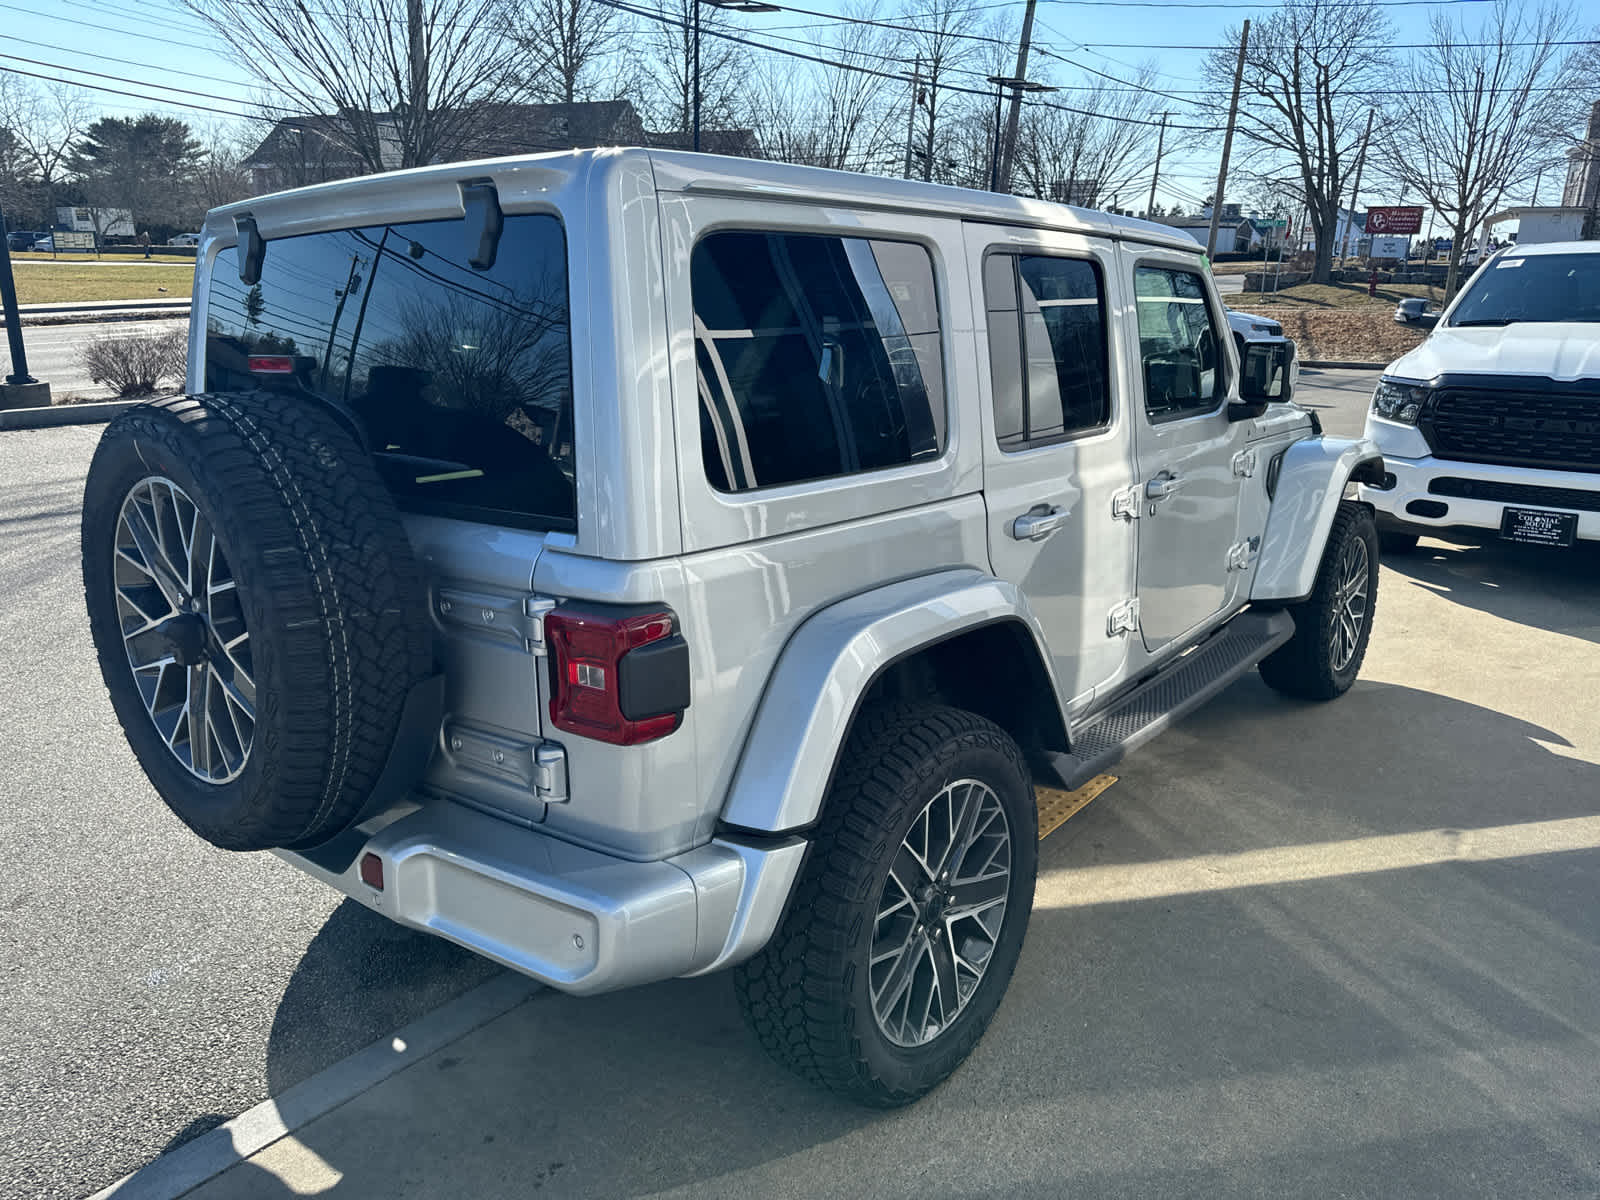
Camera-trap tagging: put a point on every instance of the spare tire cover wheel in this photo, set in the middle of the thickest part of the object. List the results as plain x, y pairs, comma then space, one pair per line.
257, 611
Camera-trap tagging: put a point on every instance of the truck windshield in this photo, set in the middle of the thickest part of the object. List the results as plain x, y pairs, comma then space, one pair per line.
1534, 287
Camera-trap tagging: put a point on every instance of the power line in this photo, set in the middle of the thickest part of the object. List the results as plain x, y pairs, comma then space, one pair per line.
149, 37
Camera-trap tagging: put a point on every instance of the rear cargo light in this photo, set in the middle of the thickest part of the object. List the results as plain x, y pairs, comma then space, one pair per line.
618, 677
271, 364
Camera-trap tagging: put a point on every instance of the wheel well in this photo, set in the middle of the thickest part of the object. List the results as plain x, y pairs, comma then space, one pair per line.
994, 671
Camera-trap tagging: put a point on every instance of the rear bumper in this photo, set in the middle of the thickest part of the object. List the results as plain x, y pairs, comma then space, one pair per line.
1396, 507
572, 918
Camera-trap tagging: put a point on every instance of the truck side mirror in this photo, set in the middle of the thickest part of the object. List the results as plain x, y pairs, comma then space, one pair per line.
1263, 378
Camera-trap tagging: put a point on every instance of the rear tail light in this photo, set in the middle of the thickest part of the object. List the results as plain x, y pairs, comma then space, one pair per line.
621, 678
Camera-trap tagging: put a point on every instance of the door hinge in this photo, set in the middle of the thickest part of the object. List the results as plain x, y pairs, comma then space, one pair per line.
534, 609
1124, 618
550, 773
1244, 464
1242, 554
1125, 504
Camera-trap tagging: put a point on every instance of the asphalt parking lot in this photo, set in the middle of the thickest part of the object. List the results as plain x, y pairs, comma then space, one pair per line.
1297, 950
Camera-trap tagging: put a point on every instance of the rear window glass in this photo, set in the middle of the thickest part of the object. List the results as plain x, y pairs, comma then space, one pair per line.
459, 379
817, 356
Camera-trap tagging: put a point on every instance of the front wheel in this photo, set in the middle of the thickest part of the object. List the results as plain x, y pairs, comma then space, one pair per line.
904, 929
1332, 626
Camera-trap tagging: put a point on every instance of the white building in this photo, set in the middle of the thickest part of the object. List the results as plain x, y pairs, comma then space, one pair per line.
107, 222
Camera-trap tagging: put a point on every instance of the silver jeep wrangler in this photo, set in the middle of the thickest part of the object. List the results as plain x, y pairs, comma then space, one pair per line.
631, 564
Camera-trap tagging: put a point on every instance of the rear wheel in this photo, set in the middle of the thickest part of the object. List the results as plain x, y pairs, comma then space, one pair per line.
908, 922
1333, 626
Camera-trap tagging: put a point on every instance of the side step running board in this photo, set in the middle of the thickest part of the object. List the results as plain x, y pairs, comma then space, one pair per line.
1180, 687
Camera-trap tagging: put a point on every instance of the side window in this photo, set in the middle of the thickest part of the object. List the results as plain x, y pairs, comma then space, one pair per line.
816, 356
1181, 349
1047, 348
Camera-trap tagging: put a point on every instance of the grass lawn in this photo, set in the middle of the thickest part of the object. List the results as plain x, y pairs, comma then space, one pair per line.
1338, 295
62, 283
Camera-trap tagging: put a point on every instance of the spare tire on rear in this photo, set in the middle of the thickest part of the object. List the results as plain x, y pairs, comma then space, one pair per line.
257, 611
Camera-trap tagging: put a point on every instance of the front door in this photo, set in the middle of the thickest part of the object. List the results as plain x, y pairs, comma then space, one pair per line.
1185, 444
1057, 444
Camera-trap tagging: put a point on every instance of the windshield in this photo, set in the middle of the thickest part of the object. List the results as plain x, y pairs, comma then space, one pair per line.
1535, 287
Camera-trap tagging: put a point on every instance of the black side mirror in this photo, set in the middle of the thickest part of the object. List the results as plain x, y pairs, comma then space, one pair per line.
1428, 320
1263, 378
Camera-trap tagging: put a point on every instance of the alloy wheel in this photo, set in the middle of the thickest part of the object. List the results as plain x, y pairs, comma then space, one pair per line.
940, 913
184, 631
1349, 603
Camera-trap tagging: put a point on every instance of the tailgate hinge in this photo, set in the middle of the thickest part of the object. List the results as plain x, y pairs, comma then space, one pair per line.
1244, 464
1125, 504
1124, 618
550, 773
534, 609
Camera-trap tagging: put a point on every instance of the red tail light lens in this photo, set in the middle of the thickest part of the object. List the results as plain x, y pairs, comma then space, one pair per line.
598, 692
271, 364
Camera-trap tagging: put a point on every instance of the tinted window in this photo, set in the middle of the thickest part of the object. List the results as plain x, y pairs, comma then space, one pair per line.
1534, 287
459, 379
817, 356
1182, 354
1047, 348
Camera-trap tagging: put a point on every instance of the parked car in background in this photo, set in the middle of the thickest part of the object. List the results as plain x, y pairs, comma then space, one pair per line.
22, 239
47, 244
1493, 423
184, 239
1414, 310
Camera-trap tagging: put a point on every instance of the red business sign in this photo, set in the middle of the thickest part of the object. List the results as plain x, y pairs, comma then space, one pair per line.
1394, 220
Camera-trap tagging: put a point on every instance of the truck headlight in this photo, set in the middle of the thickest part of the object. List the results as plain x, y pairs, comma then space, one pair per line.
1399, 400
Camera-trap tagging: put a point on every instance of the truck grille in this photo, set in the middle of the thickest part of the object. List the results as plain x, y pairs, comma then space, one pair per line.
1553, 430
1516, 493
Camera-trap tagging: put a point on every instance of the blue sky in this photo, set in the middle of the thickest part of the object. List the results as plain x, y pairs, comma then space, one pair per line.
157, 42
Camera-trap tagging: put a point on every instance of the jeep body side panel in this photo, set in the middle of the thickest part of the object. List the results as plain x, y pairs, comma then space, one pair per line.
828, 667
1310, 485
738, 608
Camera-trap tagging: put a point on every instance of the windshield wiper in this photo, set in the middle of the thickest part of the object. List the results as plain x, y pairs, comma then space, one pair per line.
1487, 321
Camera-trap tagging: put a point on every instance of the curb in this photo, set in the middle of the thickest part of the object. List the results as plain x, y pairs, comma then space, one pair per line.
209, 1155
1338, 364
63, 414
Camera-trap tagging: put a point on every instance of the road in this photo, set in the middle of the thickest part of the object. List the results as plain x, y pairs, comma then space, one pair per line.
55, 352
1320, 950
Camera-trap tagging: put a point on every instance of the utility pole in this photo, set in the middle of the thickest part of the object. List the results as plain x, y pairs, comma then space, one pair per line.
1015, 115
1227, 144
1161, 141
911, 118
695, 86
1361, 161
1000, 160
417, 53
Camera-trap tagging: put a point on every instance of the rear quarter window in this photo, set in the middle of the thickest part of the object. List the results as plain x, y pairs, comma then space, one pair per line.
460, 380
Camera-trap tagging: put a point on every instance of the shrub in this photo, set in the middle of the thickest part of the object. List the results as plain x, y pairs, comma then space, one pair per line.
138, 365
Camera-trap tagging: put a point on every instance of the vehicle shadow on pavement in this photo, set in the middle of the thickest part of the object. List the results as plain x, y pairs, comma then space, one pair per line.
1375, 981
1555, 590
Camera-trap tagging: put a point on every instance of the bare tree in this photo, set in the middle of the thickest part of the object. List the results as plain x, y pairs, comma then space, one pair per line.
567, 43
940, 38
1479, 111
834, 116
1083, 157
669, 67
44, 126
1307, 70
406, 89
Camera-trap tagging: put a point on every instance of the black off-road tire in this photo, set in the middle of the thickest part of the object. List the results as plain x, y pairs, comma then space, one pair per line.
327, 588
806, 994
1308, 666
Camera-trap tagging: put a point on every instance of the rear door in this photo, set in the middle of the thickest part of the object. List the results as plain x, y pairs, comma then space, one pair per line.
1188, 486
1056, 441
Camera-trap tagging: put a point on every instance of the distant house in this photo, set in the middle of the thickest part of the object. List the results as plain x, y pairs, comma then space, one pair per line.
104, 222
312, 149
1233, 233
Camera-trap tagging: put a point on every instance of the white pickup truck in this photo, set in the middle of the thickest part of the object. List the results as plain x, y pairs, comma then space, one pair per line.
1493, 423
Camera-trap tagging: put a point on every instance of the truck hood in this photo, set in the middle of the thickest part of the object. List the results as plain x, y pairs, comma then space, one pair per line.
1564, 350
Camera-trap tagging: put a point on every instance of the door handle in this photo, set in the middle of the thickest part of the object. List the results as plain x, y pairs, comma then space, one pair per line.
1038, 523
1162, 486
